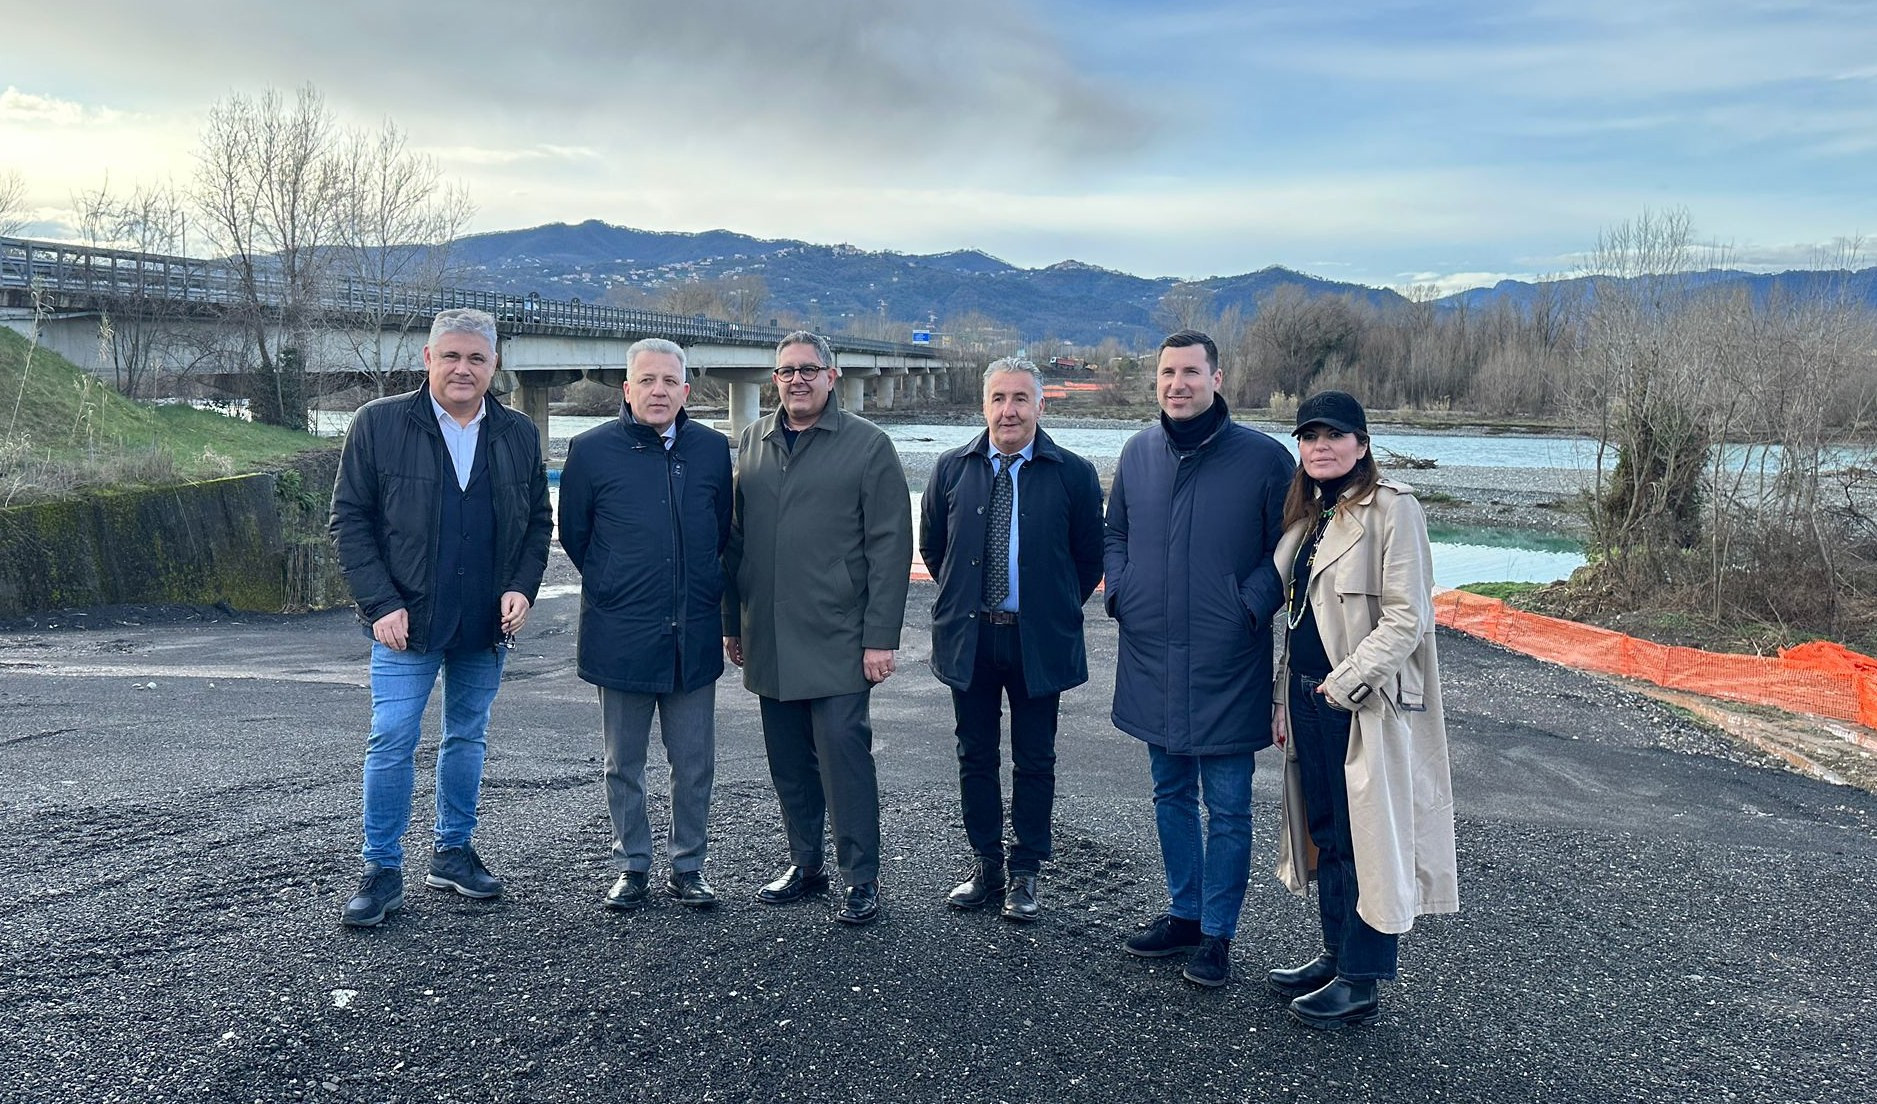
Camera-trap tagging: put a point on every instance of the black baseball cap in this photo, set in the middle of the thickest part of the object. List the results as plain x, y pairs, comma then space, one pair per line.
1336, 409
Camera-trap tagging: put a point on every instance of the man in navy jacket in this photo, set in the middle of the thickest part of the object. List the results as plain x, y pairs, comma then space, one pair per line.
1011, 530
1194, 518
644, 515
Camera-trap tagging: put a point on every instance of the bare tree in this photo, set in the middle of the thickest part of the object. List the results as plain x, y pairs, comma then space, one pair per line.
691, 297
143, 313
12, 203
979, 334
1294, 335
268, 188
398, 221
1648, 395
1186, 305
745, 298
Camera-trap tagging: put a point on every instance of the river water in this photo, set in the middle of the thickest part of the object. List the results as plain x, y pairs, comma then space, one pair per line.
1460, 555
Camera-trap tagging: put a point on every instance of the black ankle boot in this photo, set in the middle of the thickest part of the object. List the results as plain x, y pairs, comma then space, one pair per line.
1337, 1005
1308, 978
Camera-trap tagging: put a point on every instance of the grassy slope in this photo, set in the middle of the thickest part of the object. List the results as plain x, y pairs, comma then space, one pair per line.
64, 413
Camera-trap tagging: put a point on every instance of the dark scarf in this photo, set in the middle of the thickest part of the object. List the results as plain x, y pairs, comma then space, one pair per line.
1190, 434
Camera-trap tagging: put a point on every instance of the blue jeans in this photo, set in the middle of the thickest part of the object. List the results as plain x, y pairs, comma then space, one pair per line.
1206, 874
1322, 735
400, 689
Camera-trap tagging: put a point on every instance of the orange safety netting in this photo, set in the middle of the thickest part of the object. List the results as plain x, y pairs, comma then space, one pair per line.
1825, 679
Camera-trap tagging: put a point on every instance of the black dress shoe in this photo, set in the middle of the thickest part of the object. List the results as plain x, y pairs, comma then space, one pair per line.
1020, 899
985, 885
1337, 1005
1308, 978
631, 891
794, 884
689, 888
862, 905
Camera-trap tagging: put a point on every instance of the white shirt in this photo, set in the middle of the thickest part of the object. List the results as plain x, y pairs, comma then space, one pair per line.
460, 439
1023, 457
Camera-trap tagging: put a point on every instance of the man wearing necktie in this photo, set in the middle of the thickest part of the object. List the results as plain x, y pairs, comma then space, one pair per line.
1011, 531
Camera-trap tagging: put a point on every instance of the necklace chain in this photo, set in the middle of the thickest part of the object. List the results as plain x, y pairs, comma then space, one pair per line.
1294, 615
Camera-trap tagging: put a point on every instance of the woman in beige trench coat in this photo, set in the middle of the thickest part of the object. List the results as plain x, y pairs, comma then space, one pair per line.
1368, 802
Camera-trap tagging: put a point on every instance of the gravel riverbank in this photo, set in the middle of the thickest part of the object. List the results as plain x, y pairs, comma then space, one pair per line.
1650, 912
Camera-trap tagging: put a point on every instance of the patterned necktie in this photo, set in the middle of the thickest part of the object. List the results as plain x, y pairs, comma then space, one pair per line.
997, 534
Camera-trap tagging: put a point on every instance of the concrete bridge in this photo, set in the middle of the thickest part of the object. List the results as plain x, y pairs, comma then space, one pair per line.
72, 298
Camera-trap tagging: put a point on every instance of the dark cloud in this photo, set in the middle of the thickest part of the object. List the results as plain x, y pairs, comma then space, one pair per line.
923, 83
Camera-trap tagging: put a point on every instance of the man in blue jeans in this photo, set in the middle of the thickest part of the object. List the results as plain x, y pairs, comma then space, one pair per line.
440, 515
1194, 516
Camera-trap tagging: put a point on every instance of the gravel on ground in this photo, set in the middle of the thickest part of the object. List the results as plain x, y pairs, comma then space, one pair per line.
1650, 911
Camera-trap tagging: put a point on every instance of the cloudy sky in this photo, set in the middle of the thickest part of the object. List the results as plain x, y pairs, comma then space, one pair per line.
1380, 141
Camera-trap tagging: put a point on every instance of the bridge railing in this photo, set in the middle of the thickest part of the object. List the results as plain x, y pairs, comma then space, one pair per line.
98, 273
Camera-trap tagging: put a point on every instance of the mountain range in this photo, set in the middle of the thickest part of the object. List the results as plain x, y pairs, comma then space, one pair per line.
837, 286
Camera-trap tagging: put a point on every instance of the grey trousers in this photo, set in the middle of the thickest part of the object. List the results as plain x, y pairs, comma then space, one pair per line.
687, 724
821, 760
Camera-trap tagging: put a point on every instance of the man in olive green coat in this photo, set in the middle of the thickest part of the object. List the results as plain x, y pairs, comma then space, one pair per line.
819, 559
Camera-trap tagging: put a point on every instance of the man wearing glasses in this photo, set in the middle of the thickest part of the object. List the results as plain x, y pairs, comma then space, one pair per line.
817, 568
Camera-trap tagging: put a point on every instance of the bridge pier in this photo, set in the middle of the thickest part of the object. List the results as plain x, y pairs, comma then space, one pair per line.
887, 384
853, 394
527, 393
745, 406
531, 399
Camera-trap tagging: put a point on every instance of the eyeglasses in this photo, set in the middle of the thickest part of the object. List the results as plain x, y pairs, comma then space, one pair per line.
808, 372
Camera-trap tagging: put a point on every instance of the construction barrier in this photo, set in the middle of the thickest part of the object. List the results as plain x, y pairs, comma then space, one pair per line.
1820, 678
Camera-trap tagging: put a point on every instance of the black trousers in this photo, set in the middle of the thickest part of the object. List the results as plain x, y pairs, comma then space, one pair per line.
996, 674
1322, 735
821, 761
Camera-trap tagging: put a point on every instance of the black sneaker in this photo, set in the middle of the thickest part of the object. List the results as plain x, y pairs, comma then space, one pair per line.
461, 869
1211, 964
1167, 935
380, 893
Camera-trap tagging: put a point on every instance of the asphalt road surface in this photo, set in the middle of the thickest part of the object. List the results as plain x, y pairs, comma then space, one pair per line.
1649, 914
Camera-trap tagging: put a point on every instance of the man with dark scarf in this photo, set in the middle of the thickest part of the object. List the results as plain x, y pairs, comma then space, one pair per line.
1193, 519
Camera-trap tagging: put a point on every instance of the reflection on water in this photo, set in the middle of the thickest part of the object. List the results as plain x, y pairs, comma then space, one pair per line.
1501, 556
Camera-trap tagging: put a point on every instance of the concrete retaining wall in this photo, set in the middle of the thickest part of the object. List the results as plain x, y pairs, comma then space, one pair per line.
199, 543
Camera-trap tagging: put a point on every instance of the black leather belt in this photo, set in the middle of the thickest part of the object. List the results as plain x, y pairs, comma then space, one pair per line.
1000, 617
